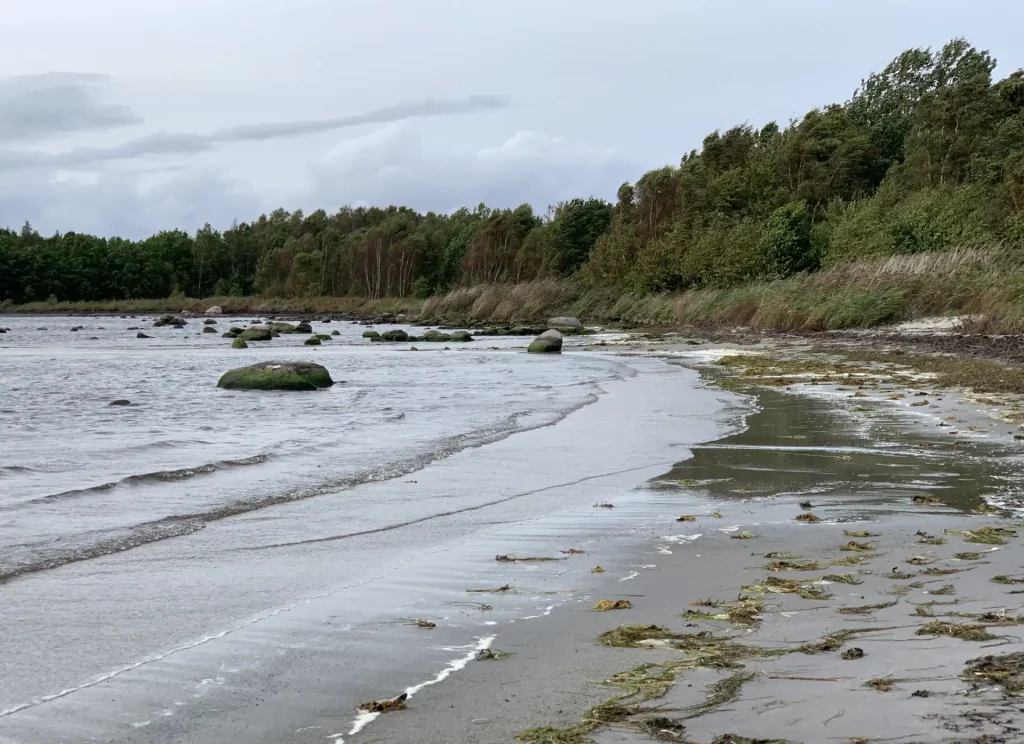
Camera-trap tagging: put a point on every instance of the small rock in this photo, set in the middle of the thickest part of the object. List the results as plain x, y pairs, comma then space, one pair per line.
120, 402
209, 321
140, 334
209, 329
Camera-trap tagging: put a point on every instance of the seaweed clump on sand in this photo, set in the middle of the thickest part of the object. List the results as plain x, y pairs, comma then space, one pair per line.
1006, 671
745, 612
807, 517
854, 546
385, 706
775, 585
985, 535
866, 609
956, 630
613, 604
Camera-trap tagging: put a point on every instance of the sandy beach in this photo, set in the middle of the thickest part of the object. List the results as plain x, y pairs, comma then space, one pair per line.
469, 616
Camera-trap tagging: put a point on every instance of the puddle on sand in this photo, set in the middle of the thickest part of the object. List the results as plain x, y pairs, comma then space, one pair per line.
800, 446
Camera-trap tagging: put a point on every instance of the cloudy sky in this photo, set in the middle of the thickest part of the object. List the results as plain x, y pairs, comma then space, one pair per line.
130, 116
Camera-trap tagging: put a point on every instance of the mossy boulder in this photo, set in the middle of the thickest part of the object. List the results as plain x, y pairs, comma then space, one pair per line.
209, 321
277, 376
549, 342
395, 335
323, 336
169, 320
239, 343
209, 329
525, 331
436, 336
461, 336
281, 327
256, 334
140, 334
312, 341
335, 332
372, 335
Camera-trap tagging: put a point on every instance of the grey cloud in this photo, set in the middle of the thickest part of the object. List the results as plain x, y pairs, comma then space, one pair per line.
190, 144
391, 166
39, 106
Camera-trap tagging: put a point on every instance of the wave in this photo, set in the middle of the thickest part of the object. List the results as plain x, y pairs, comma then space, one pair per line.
54, 555
15, 469
157, 476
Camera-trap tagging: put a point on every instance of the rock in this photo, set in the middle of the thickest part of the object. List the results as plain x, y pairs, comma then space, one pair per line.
42, 329
171, 320
3, 330
525, 331
140, 334
239, 343
255, 321
436, 337
75, 329
256, 334
461, 336
303, 327
281, 327
564, 322
395, 335
312, 341
322, 336
400, 318
277, 376
120, 402
549, 342
325, 320
371, 334
209, 329
209, 321
133, 328
335, 332
215, 310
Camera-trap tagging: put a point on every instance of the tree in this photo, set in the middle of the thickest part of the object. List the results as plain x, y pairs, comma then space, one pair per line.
785, 246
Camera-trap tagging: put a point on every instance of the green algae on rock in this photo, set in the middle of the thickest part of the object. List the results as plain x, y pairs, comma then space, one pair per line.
549, 342
239, 343
256, 334
277, 376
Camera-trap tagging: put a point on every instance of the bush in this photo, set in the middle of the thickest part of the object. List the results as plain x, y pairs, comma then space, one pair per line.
785, 247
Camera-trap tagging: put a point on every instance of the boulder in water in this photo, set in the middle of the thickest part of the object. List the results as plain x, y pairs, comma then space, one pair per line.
170, 320
239, 343
277, 376
120, 402
215, 310
549, 342
209, 321
256, 334
371, 334
461, 336
335, 332
395, 335
209, 329
564, 322
436, 336
312, 341
140, 334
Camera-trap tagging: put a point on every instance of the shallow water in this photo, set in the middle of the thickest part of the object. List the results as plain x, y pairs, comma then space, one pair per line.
257, 558
80, 478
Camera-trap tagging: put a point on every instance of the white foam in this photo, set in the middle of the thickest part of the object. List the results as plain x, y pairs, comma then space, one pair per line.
364, 718
632, 575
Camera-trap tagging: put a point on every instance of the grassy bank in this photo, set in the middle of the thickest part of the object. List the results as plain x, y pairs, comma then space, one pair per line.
856, 294
985, 283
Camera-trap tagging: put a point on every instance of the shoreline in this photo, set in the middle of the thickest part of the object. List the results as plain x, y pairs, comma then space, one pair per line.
681, 701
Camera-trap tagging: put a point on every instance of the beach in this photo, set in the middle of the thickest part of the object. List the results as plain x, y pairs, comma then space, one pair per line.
464, 576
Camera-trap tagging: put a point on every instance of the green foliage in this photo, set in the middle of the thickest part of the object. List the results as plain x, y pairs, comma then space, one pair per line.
927, 155
785, 246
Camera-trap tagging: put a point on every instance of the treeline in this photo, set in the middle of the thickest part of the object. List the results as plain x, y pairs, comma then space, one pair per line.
928, 154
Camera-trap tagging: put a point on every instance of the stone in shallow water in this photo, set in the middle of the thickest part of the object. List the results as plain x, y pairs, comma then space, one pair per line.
277, 376
549, 342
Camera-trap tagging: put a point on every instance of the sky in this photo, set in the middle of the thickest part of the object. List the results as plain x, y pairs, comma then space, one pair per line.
126, 117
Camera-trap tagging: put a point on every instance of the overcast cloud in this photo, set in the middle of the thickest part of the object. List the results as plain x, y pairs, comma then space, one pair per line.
126, 117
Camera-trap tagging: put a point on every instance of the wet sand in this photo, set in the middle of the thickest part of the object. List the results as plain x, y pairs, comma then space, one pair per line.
880, 472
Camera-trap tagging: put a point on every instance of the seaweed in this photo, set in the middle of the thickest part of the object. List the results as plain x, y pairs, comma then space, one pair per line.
945, 591
745, 612
940, 571
925, 500
743, 536
686, 518
855, 546
852, 653
613, 604
514, 559
882, 685
859, 533
498, 590
955, 630
807, 517
985, 535
898, 575
1006, 671
1007, 580
797, 564
775, 585
866, 609
834, 641
920, 560
850, 560
425, 624
385, 706
842, 578
573, 551
604, 506
492, 654
968, 556
597, 569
